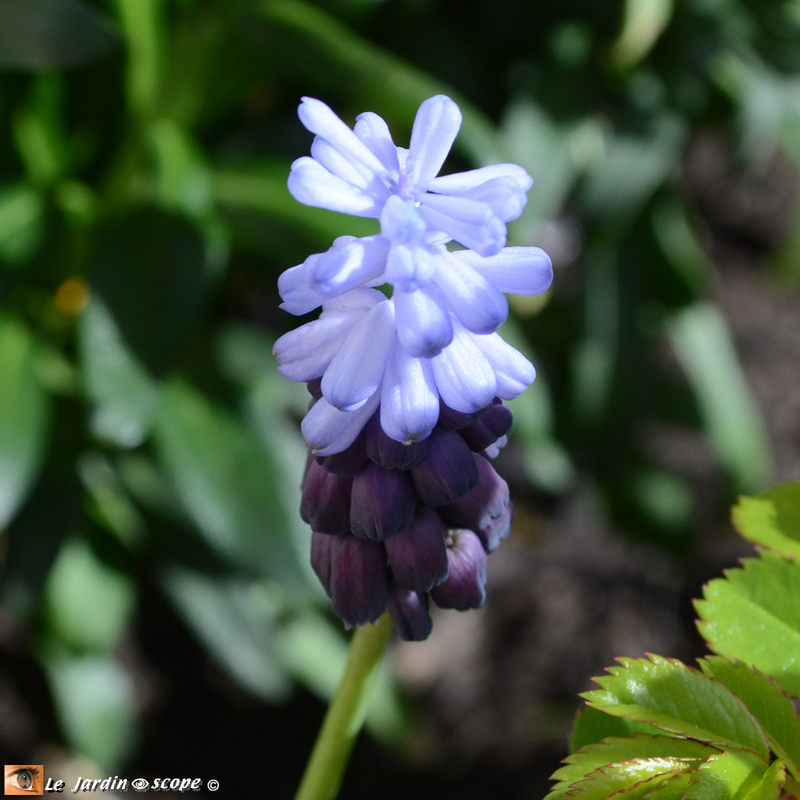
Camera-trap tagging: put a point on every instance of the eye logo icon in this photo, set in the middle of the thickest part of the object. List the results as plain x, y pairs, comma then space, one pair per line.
23, 779
140, 784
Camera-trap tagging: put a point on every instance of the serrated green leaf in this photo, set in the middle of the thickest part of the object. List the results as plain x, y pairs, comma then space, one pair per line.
672, 790
753, 614
771, 783
679, 699
728, 776
772, 519
617, 750
634, 778
123, 393
226, 483
592, 725
767, 702
24, 413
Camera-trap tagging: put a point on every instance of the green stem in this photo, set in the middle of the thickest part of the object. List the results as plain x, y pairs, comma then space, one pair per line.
325, 768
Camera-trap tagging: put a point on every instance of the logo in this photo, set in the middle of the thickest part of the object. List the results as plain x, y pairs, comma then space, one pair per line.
140, 784
23, 779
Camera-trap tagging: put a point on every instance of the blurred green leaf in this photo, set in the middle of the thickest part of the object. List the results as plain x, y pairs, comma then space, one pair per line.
678, 699
702, 343
680, 246
767, 702
772, 519
236, 620
152, 274
52, 34
88, 604
96, 705
374, 76
727, 776
753, 614
645, 21
228, 485
24, 414
123, 393
21, 223
143, 25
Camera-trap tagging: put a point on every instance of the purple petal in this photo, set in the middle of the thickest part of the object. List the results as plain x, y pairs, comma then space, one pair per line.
320, 119
310, 183
410, 267
355, 298
409, 400
478, 305
356, 371
418, 557
435, 129
299, 296
328, 430
325, 505
410, 615
447, 472
350, 263
401, 222
390, 453
457, 419
514, 270
469, 222
464, 377
487, 501
423, 321
383, 503
350, 461
306, 352
513, 372
463, 182
502, 195
465, 586
359, 587
374, 132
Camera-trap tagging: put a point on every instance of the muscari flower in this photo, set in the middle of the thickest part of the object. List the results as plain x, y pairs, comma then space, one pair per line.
407, 389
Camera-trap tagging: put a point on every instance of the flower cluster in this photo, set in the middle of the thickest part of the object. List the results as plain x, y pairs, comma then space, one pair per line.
407, 389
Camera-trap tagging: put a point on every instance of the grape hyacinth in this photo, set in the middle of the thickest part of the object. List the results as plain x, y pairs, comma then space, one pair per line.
407, 390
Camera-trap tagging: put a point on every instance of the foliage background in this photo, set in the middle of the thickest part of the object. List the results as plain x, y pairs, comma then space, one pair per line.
157, 613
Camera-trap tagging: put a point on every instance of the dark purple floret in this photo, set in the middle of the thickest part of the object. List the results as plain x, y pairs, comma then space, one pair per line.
465, 586
383, 503
350, 461
358, 580
457, 419
321, 559
489, 428
487, 501
497, 530
449, 471
315, 388
418, 556
410, 615
387, 452
325, 505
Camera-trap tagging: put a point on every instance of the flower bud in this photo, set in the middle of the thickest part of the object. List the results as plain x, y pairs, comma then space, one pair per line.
418, 556
321, 558
465, 586
387, 452
497, 530
383, 503
410, 615
448, 472
358, 580
487, 501
458, 419
325, 504
489, 428
350, 461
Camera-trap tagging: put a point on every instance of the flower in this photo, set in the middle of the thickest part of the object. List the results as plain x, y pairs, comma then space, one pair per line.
407, 387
